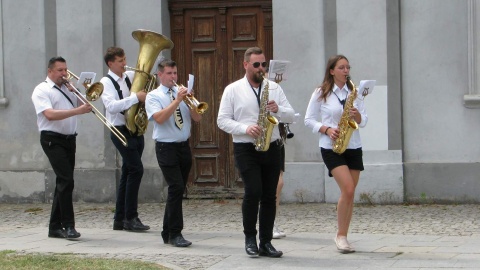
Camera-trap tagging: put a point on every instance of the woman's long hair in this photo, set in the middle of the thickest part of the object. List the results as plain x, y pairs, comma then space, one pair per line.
328, 82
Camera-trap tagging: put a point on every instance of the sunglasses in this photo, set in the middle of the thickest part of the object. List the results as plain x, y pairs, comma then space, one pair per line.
257, 64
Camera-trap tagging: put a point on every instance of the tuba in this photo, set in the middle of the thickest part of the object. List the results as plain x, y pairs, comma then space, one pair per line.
265, 121
151, 44
347, 125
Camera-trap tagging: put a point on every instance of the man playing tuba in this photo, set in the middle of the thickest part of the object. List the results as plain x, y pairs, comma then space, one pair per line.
117, 98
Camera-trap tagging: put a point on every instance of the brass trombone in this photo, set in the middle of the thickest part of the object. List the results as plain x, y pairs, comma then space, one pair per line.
94, 89
193, 103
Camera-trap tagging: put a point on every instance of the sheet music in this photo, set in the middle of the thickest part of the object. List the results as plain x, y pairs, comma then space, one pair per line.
86, 78
191, 80
366, 87
277, 70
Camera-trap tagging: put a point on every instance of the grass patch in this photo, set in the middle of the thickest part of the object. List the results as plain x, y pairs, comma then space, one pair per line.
11, 260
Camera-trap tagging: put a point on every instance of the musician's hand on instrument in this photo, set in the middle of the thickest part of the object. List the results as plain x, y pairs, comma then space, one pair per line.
182, 93
85, 108
141, 96
253, 131
272, 106
334, 133
69, 86
355, 114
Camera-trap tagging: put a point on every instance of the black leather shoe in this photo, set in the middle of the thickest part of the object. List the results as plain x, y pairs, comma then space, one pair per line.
251, 246
269, 251
72, 233
117, 225
165, 237
179, 241
135, 225
59, 233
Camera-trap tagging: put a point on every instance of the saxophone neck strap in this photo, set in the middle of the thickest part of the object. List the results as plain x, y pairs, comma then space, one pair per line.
341, 101
257, 94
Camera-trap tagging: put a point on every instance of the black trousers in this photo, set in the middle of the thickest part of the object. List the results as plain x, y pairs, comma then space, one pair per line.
60, 150
259, 172
132, 172
175, 161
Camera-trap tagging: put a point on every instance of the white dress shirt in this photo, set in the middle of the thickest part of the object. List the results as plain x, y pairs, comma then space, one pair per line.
159, 99
329, 114
46, 96
239, 109
112, 102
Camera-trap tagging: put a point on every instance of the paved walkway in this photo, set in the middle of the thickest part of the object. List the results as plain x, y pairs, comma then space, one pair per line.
386, 237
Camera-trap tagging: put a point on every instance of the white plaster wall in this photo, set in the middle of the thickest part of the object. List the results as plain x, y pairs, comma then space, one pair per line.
298, 37
438, 128
24, 63
79, 41
362, 38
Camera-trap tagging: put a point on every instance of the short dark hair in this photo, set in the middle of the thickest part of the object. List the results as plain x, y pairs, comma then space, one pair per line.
166, 63
111, 53
250, 51
55, 59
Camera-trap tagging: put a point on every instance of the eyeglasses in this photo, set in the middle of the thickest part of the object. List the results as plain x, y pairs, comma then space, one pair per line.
257, 64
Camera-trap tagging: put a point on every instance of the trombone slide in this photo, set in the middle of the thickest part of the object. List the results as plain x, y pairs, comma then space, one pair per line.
98, 114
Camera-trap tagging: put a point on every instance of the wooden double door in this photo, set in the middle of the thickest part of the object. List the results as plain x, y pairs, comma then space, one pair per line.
210, 39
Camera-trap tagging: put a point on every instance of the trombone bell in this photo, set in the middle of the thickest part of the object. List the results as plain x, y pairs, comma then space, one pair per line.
94, 91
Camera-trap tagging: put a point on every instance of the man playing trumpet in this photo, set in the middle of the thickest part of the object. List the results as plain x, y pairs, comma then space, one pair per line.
172, 123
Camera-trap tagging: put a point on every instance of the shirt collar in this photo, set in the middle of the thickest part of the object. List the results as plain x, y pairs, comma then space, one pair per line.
50, 83
337, 89
115, 76
165, 89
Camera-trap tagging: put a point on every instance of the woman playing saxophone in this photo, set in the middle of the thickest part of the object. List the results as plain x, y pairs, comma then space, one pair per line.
330, 112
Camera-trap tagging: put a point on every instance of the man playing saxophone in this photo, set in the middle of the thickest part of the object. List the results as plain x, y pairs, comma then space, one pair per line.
335, 104
243, 103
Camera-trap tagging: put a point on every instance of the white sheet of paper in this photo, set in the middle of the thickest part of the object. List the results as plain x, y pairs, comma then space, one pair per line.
191, 80
86, 77
277, 70
366, 87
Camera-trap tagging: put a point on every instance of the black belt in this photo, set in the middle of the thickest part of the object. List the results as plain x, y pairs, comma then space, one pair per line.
185, 143
276, 142
56, 134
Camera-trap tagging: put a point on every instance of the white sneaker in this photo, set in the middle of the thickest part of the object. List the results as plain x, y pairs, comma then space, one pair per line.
277, 233
342, 244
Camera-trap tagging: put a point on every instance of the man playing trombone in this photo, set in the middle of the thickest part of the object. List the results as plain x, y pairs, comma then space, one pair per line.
117, 99
57, 109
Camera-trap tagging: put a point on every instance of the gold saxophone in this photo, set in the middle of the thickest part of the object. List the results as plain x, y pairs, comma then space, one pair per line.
265, 121
347, 125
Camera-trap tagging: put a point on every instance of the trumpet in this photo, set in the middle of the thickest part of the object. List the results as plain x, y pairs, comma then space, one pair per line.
193, 103
97, 87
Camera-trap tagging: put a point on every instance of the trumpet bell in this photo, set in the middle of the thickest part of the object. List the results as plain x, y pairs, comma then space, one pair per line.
94, 91
202, 108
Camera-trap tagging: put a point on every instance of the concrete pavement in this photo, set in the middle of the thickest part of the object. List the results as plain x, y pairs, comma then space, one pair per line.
386, 237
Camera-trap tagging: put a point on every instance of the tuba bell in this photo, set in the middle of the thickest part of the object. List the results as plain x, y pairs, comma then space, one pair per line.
151, 44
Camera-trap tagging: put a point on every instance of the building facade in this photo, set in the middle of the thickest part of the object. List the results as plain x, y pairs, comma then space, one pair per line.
419, 145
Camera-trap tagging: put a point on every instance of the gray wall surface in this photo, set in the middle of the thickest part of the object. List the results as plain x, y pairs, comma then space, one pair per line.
420, 142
